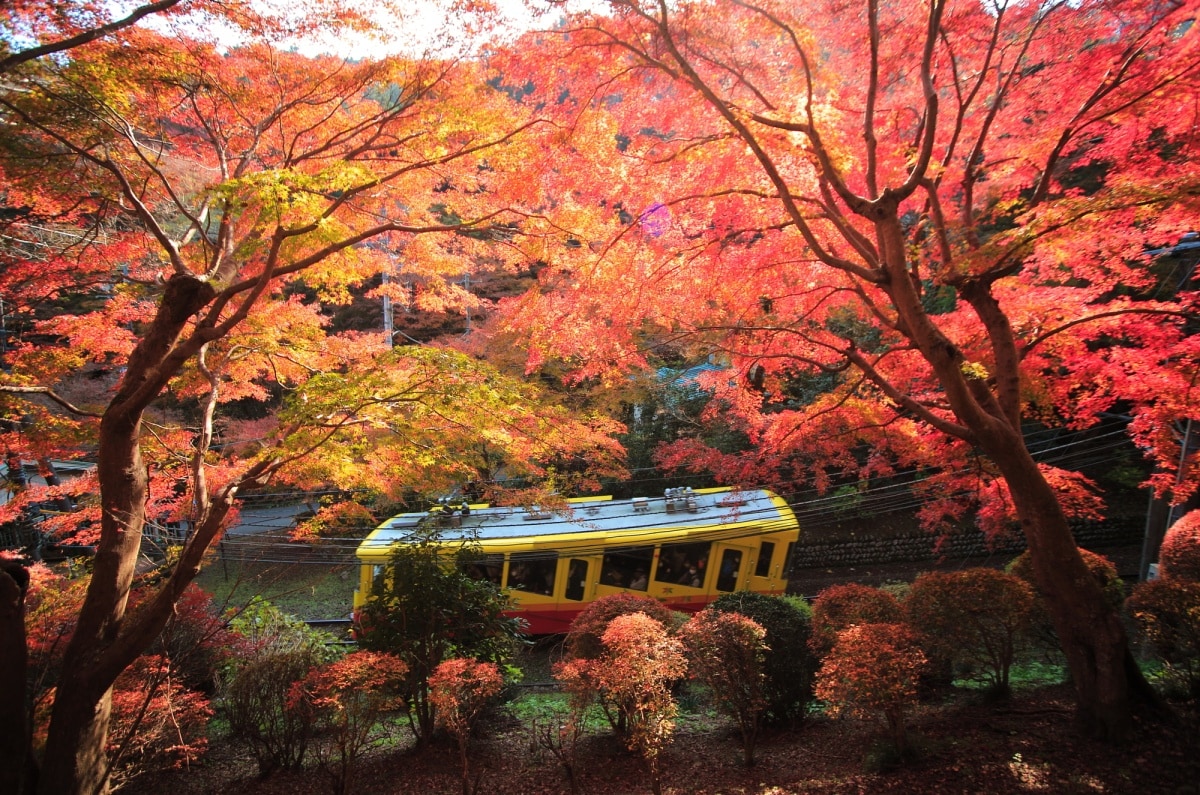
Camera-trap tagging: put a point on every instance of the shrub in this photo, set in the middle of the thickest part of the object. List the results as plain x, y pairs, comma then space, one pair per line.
1179, 555
634, 672
584, 638
349, 697
1167, 612
426, 608
1042, 626
263, 630
198, 640
727, 652
157, 722
789, 664
1103, 569
459, 689
974, 618
51, 610
256, 703
873, 668
842, 606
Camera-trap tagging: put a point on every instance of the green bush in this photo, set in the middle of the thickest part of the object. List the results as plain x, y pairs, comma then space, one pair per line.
975, 619
1167, 612
840, 607
256, 703
426, 608
789, 663
262, 630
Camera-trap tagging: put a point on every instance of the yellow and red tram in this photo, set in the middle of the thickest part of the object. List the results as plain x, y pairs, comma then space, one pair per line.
685, 549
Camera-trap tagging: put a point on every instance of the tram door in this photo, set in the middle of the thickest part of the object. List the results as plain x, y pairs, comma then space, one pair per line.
580, 574
732, 568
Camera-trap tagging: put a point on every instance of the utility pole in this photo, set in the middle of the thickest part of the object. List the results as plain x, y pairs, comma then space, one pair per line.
1160, 516
466, 283
389, 326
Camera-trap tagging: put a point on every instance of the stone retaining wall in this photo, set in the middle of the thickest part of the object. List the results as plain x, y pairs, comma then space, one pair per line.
864, 551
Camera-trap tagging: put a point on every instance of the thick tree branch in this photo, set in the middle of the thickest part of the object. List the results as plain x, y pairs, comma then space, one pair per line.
51, 394
906, 402
62, 45
1039, 339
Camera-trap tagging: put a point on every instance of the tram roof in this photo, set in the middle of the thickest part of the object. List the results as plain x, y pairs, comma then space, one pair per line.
678, 508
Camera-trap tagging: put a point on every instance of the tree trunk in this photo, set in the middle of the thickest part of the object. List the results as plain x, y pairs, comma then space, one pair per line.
14, 662
1103, 671
102, 646
76, 761
1090, 632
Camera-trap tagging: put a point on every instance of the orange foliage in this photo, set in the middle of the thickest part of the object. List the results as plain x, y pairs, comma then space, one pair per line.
872, 669
840, 607
1179, 554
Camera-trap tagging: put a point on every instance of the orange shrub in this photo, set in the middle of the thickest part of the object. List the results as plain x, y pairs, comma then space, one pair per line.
589, 626
632, 676
873, 668
974, 618
727, 652
349, 697
842, 606
1042, 626
1167, 612
1179, 555
460, 689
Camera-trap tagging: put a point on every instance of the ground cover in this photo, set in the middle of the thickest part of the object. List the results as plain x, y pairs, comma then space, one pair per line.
305, 590
965, 745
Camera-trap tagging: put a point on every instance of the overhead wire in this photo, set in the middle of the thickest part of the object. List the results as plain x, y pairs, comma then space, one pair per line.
810, 509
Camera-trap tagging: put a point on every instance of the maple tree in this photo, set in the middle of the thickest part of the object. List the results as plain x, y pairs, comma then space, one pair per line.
460, 689
38, 28
906, 230
206, 204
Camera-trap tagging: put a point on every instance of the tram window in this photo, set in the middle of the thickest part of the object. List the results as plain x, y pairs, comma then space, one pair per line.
787, 559
577, 571
731, 562
532, 572
766, 551
486, 569
627, 567
683, 564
